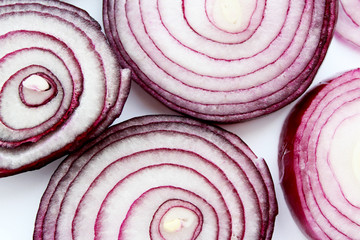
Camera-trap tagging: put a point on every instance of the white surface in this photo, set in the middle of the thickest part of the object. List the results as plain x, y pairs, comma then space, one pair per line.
20, 194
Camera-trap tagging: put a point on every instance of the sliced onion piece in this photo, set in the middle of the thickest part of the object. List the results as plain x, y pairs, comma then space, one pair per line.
348, 24
221, 60
160, 177
319, 159
60, 82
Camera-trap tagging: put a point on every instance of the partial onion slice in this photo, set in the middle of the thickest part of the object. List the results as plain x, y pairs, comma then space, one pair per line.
160, 177
60, 82
320, 159
221, 60
348, 25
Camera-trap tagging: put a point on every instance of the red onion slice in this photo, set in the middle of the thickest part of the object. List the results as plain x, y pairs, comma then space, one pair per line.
160, 177
348, 25
60, 82
319, 159
221, 60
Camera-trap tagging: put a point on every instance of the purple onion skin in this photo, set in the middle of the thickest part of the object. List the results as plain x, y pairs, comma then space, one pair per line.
286, 161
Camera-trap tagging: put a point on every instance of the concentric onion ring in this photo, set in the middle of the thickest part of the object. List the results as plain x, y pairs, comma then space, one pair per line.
60, 82
348, 25
221, 60
160, 177
319, 159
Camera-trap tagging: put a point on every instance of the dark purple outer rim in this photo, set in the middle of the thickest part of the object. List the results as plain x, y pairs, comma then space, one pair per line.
288, 157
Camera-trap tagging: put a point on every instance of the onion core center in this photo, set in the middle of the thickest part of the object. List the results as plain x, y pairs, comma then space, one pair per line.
178, 221
231, 10
37, 89
173, 225
230, 15
37, 83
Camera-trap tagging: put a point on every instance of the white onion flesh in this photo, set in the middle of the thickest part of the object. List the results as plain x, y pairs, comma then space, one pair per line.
160, 177
348, 24
221, 60
319, 159
61, 82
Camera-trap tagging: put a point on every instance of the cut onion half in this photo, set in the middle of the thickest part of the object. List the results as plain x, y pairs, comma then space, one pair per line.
160, 177
319, 158
348, 24
221, 60
60, 82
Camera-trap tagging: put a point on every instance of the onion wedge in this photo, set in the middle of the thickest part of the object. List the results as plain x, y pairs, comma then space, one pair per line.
60, 82
319, 159
160, 177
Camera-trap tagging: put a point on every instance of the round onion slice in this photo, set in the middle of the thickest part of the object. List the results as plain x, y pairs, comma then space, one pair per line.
160, 177
319, 158
60, 82
348, 25
221, 60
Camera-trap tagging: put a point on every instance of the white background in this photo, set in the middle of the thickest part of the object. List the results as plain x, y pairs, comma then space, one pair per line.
20, 194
